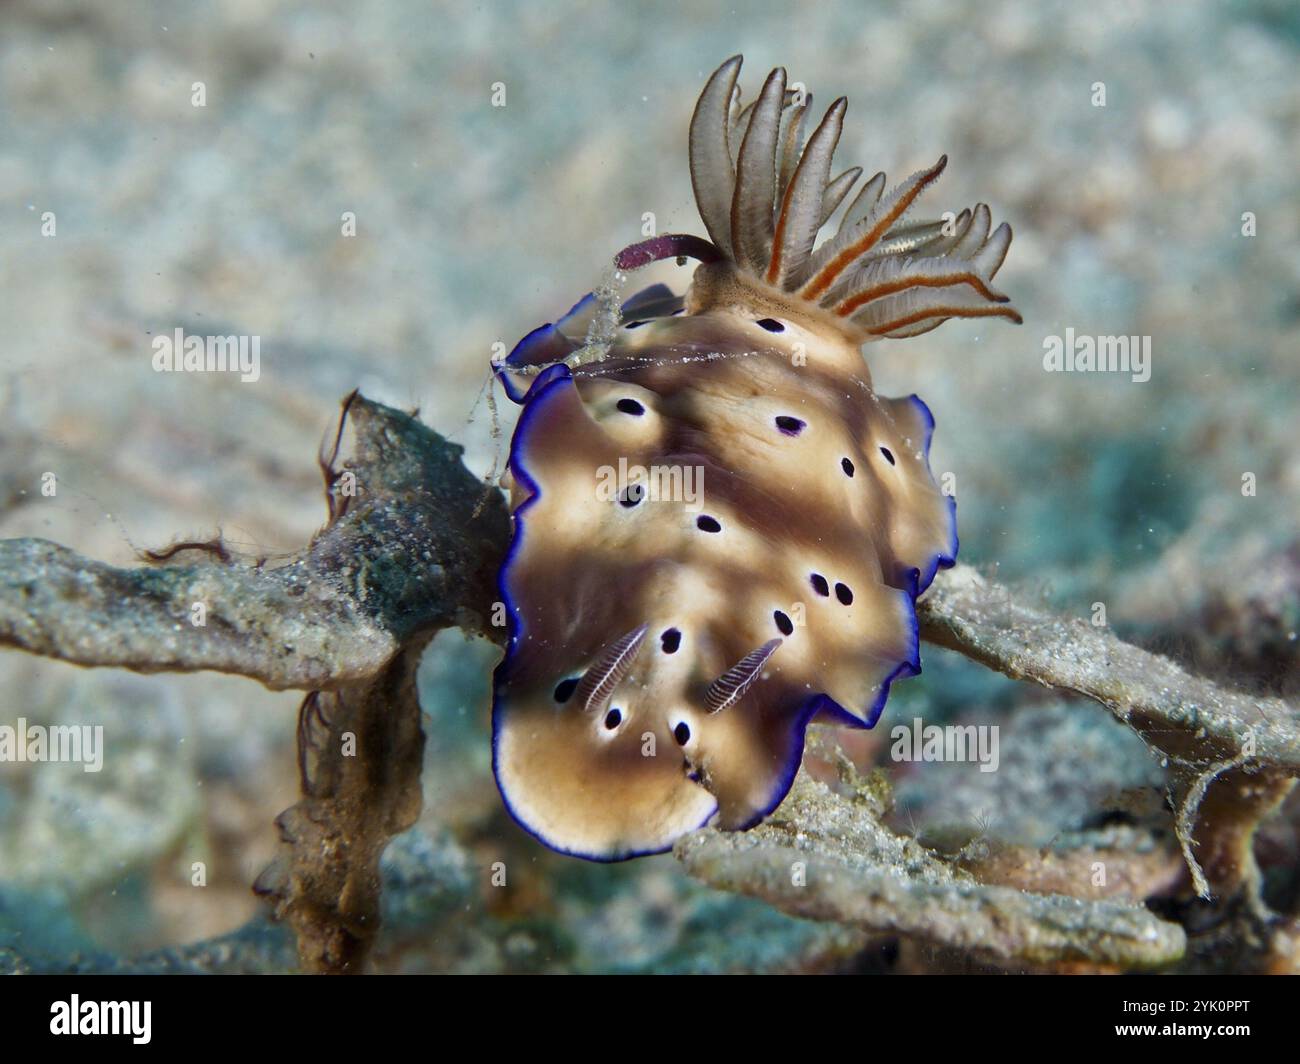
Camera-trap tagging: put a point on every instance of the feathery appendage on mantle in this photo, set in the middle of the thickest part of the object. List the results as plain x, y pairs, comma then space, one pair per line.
764, 196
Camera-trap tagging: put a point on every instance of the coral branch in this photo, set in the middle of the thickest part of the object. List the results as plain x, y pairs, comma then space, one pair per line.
825, 857
361, 786
287, 627
1186, 716
415, 547
1234, 756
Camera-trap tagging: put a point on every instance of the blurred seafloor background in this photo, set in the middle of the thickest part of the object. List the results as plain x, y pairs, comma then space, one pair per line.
473, 225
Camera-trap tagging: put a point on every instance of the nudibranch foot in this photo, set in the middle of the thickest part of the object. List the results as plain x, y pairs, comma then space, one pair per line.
720, 529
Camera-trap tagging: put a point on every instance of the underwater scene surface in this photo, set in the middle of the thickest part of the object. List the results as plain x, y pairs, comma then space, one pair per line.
517, 491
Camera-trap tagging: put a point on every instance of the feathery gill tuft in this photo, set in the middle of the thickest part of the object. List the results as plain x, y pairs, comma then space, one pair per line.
764, 196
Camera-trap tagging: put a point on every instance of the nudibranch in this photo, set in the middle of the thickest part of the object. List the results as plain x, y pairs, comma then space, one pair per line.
720, 530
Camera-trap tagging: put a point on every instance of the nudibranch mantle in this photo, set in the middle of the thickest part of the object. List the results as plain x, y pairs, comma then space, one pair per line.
720, 530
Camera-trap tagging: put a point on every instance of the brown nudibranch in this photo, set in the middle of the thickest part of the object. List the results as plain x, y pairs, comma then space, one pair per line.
720, 529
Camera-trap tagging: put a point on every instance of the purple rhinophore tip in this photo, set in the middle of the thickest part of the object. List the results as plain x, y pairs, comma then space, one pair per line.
668, 246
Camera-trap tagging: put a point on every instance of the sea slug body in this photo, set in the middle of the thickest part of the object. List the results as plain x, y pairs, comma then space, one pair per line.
670, 641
